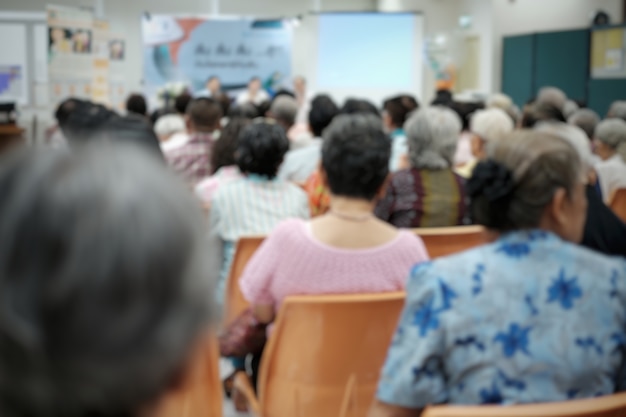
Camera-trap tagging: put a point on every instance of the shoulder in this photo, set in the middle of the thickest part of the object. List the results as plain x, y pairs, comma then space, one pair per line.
290, 229
409, 242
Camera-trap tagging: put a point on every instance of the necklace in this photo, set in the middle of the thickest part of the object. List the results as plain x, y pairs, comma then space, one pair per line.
351, 217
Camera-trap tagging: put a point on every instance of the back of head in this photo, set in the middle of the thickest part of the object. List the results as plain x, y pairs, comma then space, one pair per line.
223, 153
618, 110
442, 98
284, 110
585, 119
104, 286
541, 112
354, 106
86, 121
136, 104
131, 130
323, 111
204, 114
261, 149
552, 96
611, 132
570, 108
491, 124
65, 109
397, 111
432, 135
512, 188
499, 101
466, 110
574, 136
355, 156
181, 102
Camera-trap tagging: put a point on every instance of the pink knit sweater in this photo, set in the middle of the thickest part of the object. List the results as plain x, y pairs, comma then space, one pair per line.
292, 261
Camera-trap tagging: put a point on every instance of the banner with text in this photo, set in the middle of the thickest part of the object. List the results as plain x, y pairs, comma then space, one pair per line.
190, 50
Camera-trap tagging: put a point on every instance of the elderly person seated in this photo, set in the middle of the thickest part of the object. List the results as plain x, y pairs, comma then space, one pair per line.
532, 317
585, 119
617, 110
485, 126
100, 311
610, 146
429, 193
256, 203
552, 96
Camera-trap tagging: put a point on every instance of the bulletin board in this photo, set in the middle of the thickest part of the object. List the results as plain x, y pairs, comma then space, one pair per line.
608, 53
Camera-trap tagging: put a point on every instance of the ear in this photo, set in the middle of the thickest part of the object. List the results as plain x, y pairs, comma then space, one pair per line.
557, 209
382, 191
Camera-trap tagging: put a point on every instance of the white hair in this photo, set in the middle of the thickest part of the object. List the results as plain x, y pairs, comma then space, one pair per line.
570, 108
500, 101
169, 124
552, 96
611, 132
432, 136
491, 124
585, 119
573, 135
618, 109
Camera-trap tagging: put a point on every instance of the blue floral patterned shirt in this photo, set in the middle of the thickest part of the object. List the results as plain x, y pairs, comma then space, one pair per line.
528, 318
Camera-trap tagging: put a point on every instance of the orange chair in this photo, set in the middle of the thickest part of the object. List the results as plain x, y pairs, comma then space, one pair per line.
618, 203
324, 355
443, 241
609, 406
200, 393
234, 303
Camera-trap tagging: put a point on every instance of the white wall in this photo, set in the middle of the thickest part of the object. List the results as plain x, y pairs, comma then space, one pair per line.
481, 12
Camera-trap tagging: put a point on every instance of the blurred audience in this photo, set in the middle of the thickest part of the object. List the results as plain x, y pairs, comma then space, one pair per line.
136, 105
254, 94
610, 146
429, 193
585, 119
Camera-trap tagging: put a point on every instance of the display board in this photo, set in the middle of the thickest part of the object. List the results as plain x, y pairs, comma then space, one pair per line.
608, 53
189, 50
14, 64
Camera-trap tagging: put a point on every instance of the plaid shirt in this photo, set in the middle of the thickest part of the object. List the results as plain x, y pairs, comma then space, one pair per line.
192, 160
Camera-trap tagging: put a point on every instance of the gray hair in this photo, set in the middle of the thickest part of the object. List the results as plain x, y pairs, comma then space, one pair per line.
540, 164
169, 124
491, 124
552, 96
585, 119
570, 108
618, 109
432, 136
612, 132
573, 135
499, 101
285, 109
103, 282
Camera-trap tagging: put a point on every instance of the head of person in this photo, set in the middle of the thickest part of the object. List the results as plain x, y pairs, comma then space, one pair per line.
85, 121
224, 150
284, 110
504, 103
323, 111
410, 102
465, 110
299, 85
530, 180
432, 135
254, 86
246, 110
355, 157
442, 98
214, 85
130, 130
585, 119
63, 111
395, 113
181, 103
538, 112
169, 125
100, 312
552, 96
610, 138
570, 108
488, 126
261, 148
136, 104
203, 115
355, 105
617, 110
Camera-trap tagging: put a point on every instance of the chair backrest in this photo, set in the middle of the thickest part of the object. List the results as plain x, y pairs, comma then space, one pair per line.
324, 349
618, 203
609, 406
200, 394
234, 303
443, 241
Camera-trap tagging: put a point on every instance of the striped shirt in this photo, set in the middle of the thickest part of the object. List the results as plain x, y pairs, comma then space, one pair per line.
250, 206
424, 198
192, 160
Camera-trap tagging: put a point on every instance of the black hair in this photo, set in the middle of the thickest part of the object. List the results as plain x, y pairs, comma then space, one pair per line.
65, 109
224, 150
136, 104
204, 113
283, 92
354, 106
131, 130
247, 111
355, 156
85, 121
410, 102
465, 110
264, 107
442, 98
397, 110
323, 111
261, 149
182, 102
541, 112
